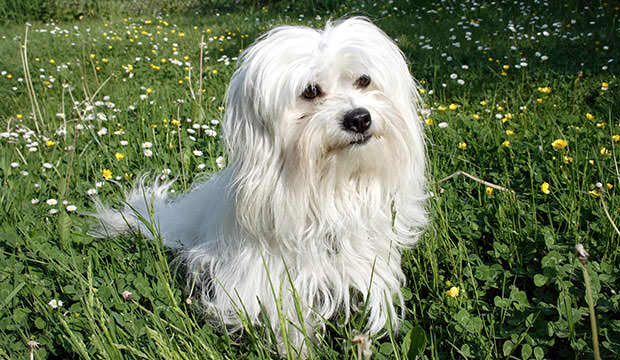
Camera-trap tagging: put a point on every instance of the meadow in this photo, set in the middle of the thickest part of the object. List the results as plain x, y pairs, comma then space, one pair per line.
523, 95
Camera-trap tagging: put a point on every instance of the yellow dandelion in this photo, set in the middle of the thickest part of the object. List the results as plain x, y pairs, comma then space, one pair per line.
107, 174
545, 89
453, 106
50, 143
463, 145
539, 100
483, 103
545, 188
510, 132
605, 151
594, 193
442, 108
19, 116
559, 144
506, 67
175, 122
616, 137
476, 117
600, 125
52, 61
429, 121
506, 143
609, 186
149, 90
589, 116
567, 159
489, 190
119, 156
604, 86
453, 292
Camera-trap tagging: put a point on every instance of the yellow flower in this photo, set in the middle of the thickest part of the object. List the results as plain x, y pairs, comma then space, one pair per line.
214, 71
462, 145
453, 106
149, 90
510, 132
489, 190
604, 86
442, 108
545, 90
616, 137
600, 125
476, 117
483, 103
92, 56
175, 122
506, 67
453, 292
594, 193
559, 144
119, 156
107, 174
545, 188
506, 143
539, 100
52, 61
49, 143
567, 159
605, 152
589, 116
609, 186
429, 121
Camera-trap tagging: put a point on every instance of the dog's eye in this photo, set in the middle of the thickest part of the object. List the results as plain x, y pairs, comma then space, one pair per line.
362, 82
311, 92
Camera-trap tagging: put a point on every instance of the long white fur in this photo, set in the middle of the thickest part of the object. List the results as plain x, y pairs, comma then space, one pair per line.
298, 198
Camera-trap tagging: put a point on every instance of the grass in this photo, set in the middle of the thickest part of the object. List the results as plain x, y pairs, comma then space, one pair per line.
495, 275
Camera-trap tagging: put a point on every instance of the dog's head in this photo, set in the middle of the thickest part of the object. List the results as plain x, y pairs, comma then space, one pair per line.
315, 115
319, 100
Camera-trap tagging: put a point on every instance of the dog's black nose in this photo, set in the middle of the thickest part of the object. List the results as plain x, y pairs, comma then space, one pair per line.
357, 120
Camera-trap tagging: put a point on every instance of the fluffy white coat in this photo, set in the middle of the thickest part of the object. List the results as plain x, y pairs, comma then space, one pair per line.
306, 207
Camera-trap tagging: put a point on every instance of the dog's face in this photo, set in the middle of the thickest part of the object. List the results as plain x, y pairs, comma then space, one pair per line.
338, 102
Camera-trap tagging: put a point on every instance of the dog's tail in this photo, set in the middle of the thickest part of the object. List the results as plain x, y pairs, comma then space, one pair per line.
198, 216
143, 206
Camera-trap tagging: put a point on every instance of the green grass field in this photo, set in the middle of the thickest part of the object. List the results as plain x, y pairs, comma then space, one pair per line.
523, 95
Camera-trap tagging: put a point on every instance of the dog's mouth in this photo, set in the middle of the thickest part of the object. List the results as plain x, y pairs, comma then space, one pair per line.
361, 140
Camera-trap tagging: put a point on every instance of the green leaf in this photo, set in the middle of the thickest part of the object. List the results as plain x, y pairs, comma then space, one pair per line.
526, 351
538, 352
540, 280
386, 348
39, 323
64, 228
414, 343
507, 348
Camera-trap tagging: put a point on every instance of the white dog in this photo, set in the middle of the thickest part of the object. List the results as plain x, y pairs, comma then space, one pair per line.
324, 190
